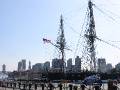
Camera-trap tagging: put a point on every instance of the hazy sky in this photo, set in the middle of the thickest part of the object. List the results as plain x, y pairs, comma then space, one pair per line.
23, 24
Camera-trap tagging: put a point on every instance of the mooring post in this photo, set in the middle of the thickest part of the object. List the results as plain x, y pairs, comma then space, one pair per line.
70, 86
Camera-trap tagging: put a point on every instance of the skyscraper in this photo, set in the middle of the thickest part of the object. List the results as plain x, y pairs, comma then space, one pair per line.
69, 64
78, 64
19, 66
23, 64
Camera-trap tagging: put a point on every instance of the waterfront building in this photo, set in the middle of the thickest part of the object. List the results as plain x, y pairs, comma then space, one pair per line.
102, 65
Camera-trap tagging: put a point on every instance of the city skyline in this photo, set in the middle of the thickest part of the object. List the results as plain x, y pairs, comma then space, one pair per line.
56, 63
24, 23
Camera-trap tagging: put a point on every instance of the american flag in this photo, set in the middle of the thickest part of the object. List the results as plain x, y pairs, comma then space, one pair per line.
46, 40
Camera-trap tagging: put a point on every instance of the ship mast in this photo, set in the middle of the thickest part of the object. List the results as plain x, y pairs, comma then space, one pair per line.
61, 44
90, 36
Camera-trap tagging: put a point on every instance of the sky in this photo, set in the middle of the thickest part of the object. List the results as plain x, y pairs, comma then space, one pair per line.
23, 24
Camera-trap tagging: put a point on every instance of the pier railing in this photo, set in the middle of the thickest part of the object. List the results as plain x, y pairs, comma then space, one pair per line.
15, 85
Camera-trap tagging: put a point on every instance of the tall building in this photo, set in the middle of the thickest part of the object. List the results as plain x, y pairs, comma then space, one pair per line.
3, 68
102, 65
19, 66
23, 64
78, 64
69, 64
57, 63
108, 67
